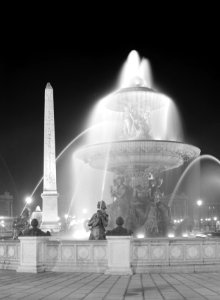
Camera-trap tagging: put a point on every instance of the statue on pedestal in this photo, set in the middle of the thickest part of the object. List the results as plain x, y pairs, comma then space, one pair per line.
34, 230
119, 230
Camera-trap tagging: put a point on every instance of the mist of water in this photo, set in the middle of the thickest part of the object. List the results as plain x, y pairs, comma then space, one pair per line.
134, 67
187, 170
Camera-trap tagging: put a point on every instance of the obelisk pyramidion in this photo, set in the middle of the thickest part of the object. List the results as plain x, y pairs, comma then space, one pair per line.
49, 195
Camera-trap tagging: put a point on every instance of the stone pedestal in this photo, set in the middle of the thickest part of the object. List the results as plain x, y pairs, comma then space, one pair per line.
32, 254
119, 260
50, 216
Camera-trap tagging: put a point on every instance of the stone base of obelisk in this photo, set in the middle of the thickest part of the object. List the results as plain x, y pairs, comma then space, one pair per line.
50, 219
53, 227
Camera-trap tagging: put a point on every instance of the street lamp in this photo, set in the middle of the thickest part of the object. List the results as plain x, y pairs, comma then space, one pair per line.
199, 203
28, 200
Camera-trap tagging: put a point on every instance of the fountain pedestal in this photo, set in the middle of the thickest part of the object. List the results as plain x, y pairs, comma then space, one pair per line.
119, 261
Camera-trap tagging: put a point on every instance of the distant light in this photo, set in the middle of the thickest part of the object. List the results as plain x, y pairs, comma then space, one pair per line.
38, 208
58, 218
140, 236
66, 216
199, 202
215, 218
84, 211
185, 234
81, 234
28, 200
73, 222
171, 235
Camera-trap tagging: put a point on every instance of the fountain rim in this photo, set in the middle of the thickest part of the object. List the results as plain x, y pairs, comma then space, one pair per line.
132, 89
138, 140
135, 88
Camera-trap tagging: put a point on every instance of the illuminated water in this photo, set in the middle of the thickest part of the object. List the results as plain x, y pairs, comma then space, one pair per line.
187, 170
117, 172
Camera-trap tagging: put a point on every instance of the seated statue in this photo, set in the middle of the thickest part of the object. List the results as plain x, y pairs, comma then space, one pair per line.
35, 231
98, 222
119, 230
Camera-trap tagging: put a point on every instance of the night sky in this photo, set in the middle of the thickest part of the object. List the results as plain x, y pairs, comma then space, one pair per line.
82, 69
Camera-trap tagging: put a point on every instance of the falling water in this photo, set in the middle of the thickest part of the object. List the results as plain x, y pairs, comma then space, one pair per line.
134, 67
189, 167
64, 150
105, 172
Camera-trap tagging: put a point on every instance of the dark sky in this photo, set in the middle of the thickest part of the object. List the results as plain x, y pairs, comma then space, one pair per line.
85, 66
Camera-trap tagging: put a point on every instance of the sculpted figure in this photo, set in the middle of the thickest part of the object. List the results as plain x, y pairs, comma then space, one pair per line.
34, 230
98, 222
119, 230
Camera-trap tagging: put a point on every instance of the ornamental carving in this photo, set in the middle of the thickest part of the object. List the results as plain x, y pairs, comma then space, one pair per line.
158, 252
11, 251
192, 252
52, 252
99, 252
209, 251
83, 253
140, 252
67, 252
176, 252
2, 251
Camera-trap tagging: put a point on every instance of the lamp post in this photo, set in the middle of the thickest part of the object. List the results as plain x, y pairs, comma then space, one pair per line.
199, 203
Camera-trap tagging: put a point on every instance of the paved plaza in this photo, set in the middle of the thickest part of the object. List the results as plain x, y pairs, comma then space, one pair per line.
54, 286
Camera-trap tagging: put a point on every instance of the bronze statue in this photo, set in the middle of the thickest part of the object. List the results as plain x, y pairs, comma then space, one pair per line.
119, 230
98, 222
34, 230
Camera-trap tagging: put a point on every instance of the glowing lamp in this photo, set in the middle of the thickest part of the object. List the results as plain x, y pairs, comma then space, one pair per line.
140, 236
185, 234
199, 202
28, 200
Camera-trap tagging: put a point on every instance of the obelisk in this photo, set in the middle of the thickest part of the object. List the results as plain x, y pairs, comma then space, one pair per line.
49, 195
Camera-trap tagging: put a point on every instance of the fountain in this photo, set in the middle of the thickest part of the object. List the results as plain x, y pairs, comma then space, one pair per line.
128, 152
134, 149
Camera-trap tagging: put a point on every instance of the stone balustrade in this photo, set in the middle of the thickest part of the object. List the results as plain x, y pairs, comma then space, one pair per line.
9, 254
76, 256
37, 254
170, 255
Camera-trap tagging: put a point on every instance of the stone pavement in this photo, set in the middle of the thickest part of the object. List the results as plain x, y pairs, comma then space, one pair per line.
98, 286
